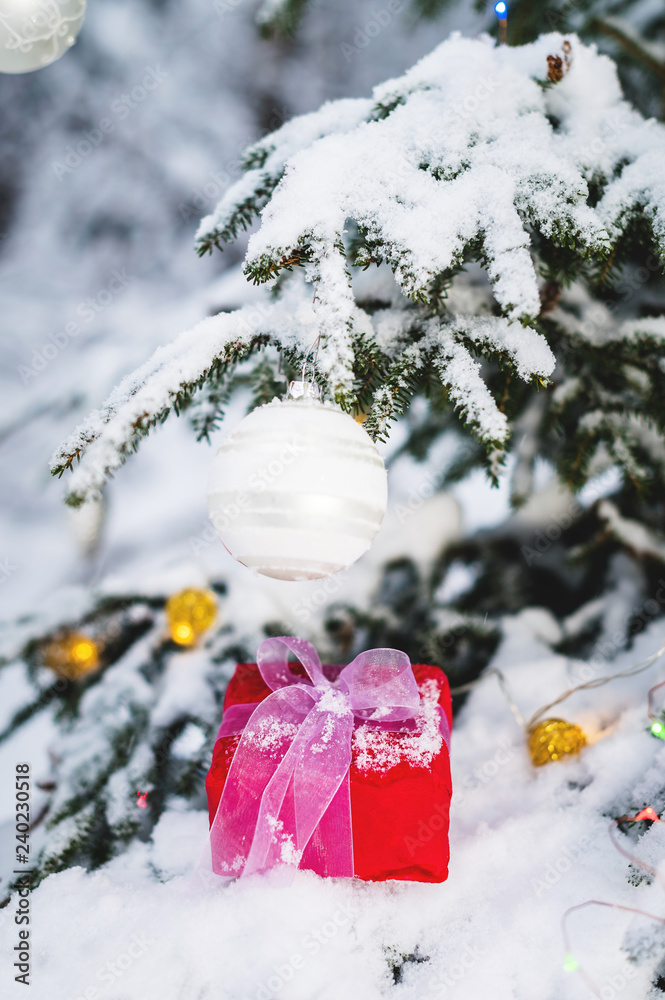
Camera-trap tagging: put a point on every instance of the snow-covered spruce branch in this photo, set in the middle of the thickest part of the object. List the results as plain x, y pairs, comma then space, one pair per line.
472, 155
472, 147
280, 18
443, 347
609, 399
630, 438
635, 536
265, 163
204, 355
164, 383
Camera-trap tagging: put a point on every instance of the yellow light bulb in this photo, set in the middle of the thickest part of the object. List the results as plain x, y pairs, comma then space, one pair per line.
190, 613
553, 739
183, 634
72, 655
83, 651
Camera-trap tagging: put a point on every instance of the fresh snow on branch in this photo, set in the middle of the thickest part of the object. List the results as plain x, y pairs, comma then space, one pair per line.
460, 374
632, 534
477, 155
527, 349
266, 160
146, 396
430, 179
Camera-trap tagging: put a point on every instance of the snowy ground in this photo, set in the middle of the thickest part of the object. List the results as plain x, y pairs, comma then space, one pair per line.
526, 844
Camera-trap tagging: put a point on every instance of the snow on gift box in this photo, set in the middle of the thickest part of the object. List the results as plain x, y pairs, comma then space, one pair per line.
298, 490
345, 771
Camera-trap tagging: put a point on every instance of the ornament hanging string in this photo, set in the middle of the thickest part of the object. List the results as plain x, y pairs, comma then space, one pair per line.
304, 388
314, 346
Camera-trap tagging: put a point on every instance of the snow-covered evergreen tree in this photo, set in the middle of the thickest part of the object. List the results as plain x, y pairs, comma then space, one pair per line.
486, 232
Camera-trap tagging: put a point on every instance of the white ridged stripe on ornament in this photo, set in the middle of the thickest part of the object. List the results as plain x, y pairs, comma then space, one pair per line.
291, 569
299, 512
301, 444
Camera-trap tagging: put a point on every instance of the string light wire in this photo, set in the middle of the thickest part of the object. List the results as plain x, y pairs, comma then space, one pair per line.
631, 671
501, 11
648, 815
650, 709
571, 964
503, 684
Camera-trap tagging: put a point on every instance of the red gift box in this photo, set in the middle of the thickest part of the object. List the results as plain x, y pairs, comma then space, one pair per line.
399, 780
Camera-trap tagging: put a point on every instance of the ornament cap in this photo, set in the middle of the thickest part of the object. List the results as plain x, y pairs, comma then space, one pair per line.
300, 389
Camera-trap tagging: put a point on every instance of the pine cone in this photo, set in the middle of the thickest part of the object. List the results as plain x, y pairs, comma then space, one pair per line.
554, 68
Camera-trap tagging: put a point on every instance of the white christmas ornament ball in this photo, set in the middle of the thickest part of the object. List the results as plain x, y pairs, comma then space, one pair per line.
34, 33
298, 490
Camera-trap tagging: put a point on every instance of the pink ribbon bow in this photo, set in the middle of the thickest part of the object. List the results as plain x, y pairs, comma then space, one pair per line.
286, 799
